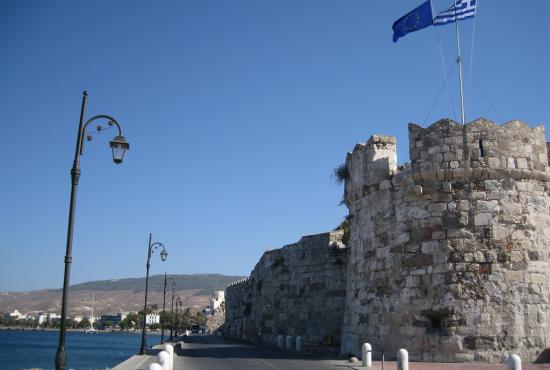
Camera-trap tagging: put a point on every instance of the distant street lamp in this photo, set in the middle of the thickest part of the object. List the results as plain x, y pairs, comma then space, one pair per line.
164, 308
178, 312
163, 255
119, 146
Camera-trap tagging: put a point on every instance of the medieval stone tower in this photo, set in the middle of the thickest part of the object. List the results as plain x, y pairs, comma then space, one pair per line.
449, 255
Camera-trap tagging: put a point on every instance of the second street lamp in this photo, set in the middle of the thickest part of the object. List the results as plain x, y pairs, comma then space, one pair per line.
119, 145
163, 256
172, 314
164, 308
178, 304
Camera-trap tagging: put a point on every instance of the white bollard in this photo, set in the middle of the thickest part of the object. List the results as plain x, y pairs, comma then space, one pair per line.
288, 342
366, 354
514, 362
164, 360
402, 359
168, 348
298, 343
154, 367
280, 341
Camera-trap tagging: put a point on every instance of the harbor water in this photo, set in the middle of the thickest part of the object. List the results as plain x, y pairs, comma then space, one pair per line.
36, 349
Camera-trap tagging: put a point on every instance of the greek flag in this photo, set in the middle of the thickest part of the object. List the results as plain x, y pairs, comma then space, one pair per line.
461, 9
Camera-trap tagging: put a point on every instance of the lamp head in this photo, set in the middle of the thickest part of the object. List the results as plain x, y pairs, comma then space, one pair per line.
119, 145
163, 254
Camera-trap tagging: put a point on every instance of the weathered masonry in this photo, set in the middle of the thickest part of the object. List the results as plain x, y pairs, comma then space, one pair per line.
448, 254
296, 290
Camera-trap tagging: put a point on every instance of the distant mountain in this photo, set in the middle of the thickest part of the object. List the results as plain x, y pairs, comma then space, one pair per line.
205, 283
118, 295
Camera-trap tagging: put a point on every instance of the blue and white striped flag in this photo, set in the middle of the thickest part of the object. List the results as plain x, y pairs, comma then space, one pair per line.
461, 9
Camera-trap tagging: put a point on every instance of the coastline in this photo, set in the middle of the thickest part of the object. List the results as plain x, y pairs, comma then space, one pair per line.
103, 331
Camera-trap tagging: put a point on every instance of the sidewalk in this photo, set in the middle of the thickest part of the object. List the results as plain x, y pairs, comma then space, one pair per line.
392, 365
209, 352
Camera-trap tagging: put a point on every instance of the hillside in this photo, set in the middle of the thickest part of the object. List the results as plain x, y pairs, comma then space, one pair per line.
117, 295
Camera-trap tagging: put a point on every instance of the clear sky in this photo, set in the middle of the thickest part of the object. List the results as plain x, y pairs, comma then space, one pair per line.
236, 112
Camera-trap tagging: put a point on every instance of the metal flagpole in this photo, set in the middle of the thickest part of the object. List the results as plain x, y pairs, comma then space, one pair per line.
459, 61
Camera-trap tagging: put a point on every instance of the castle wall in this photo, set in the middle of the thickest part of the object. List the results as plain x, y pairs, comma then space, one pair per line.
449, 258
296, 290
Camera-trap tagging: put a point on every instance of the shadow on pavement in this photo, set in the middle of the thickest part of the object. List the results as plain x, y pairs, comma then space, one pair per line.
217, 347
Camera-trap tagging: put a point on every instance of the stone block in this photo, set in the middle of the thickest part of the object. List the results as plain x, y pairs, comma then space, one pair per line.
487, 206
478, 195
463, 205
483, 219
521, 163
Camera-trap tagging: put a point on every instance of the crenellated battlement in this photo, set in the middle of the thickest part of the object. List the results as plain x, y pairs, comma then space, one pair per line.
447, 151
369, 164
237, 284
482, 149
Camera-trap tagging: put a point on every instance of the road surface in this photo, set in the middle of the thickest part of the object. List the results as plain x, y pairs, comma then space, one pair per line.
210, 352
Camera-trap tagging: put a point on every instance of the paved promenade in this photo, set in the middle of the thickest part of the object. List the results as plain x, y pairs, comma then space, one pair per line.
208, 352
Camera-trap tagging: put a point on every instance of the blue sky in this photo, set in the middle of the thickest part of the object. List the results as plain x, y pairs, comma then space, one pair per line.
236, 112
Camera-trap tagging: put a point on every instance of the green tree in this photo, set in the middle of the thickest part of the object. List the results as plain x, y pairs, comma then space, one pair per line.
199, 318
130, 321
84, 324
187, 319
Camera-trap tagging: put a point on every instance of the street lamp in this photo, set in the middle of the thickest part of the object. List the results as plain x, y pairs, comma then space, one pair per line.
164, 308
178, 312
163, 256
172, 316
119, 146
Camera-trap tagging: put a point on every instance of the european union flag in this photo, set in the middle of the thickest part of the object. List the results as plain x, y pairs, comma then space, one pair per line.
414, 20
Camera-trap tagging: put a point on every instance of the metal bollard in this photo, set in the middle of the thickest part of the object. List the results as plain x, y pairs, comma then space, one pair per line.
164, 360
154, 367
280, 341
288, 342
402, 359
366, 355
298, 343
168, 348
514, 362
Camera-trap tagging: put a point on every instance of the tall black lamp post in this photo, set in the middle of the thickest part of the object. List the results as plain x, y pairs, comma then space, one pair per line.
178, 312
163, 255
164, 308
119, 146
172, 314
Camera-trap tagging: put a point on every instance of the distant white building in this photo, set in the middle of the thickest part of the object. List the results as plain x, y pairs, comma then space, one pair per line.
53, 316
217, 300
14, 316
42, 318
152, 318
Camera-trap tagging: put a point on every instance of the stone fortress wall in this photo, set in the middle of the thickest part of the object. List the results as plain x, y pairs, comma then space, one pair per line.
448, 255
296, 290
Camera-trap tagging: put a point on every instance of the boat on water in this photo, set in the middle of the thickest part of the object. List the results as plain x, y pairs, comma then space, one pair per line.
91, 329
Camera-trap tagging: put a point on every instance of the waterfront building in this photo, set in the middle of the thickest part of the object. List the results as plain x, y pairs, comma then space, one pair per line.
152, 318
42, 318
115, 319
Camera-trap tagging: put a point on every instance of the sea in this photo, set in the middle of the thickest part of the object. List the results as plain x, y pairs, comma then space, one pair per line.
27, 349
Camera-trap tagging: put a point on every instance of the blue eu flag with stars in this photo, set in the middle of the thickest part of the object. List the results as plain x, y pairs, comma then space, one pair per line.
414, 20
